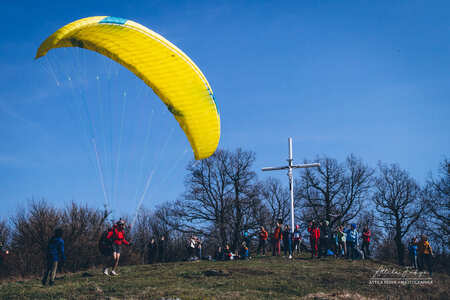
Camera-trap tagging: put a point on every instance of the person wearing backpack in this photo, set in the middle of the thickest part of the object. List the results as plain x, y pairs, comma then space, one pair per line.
425, 254
263, 235
55, 255
105, 248
117, 237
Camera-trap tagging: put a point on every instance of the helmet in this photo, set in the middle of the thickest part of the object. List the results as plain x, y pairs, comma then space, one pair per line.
121, 222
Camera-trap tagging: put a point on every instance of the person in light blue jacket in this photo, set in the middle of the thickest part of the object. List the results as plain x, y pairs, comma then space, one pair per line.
352, 242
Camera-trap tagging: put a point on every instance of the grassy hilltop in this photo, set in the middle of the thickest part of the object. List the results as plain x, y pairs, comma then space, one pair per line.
260, 278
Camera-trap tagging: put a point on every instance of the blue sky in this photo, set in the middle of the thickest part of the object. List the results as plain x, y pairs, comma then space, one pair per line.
340, 77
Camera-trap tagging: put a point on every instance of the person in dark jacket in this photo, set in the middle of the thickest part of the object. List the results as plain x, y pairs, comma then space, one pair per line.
152, 251
324, 240
219, 255
117, 236
287, 241
55, 255
425, 254
162, 245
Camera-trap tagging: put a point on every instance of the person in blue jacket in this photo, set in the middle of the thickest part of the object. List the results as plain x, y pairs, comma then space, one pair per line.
412, 248
352, 242
243, 253
55, 254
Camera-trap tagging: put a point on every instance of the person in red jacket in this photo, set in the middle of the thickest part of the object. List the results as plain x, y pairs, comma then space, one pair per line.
263, 235
277, 237
366, 241
117, 237
314, 235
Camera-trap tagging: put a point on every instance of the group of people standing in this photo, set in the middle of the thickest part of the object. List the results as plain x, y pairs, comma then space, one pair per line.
342, 242
157, 250
292, 241
420, 253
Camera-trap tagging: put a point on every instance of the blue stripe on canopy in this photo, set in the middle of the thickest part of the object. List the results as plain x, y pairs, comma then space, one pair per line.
114, 20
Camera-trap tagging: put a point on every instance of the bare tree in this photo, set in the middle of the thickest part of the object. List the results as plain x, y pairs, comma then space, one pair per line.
334, 191
221, 197
207, 200
277, 200
244, 193
31, 231
398, 202
82, 229
5, 232
437, 200
142, 231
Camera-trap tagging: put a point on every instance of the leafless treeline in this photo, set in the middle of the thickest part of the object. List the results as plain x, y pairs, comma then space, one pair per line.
223, 198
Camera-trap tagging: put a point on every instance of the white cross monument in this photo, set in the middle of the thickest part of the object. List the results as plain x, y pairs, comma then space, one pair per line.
289, 167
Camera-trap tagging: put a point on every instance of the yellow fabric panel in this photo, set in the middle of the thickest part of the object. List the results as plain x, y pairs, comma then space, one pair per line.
171, 74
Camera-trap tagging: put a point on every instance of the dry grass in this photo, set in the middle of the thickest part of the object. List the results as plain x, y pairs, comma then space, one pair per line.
260, 278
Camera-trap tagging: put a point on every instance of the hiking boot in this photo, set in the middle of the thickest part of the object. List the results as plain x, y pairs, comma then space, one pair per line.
105, 271
114, 273
290, 256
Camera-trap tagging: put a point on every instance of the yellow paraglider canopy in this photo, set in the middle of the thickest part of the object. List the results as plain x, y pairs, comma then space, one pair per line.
171, 74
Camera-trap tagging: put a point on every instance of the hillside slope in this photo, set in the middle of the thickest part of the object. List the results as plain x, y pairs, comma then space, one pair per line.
261, 278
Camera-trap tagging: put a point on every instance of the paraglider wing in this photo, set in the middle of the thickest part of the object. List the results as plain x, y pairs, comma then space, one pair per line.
171, 74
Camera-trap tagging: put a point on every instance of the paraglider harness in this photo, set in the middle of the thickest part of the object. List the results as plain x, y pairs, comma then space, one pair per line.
105, 244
